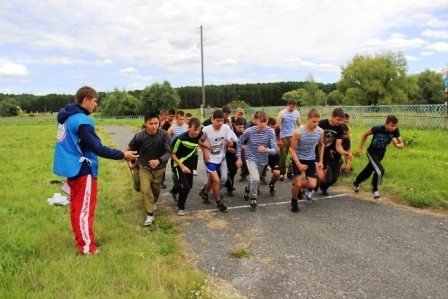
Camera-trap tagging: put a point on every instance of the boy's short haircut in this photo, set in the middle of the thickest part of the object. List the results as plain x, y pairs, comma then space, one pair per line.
338, 112
180, 113
240, 122
172, 111
151, 115
226, 109
194, 122
272, 121
256, 114
391, 119
314, 113
344, 128
143, 126
188, 114
226, 121
347, 116
218, 114
163, 112
85, 92
239, 110
262, 116
292, 102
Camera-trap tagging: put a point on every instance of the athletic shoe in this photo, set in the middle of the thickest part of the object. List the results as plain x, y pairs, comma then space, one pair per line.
272, 189
246, 193
263, 180
95, 252
230, 192
204, 198
221, 206
316, 189
376, 195
253, 203
243, 178
282, 178
308, 195
294, 206
174, 195
258, 190
180, 212
325, 192
195, 172
201, 191
149, 220
97, 244
290, 176
355, 187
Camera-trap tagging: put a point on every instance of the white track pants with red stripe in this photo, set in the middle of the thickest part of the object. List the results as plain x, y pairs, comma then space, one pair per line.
83, 194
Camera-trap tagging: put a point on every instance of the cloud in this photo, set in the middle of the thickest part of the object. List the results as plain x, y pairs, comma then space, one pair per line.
435, 22
426, 53
8, 68
411, 58
435, 34
139, 77
103, 62
396, 42
128, 71
438, 47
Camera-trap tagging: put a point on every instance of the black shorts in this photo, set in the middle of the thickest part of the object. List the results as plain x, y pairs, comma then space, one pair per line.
310, 172
274, 162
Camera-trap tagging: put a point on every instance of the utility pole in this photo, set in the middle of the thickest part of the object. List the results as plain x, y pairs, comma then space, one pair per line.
202, 66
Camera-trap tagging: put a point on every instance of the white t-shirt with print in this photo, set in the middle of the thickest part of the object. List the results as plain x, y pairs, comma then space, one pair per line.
218, 139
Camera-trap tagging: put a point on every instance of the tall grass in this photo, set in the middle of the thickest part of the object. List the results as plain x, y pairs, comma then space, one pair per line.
38, 258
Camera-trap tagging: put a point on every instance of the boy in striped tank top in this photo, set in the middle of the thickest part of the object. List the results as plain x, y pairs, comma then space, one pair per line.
303, 155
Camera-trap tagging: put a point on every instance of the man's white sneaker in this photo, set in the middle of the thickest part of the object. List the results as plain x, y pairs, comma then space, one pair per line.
195, 172
376, 195
180, 212
149, 220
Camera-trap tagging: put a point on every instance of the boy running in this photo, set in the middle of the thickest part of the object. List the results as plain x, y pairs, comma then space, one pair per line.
303, 155
183, 153
260, 142
383, 135
213, 141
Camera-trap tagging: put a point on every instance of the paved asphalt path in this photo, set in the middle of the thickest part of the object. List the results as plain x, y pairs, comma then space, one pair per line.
336, 247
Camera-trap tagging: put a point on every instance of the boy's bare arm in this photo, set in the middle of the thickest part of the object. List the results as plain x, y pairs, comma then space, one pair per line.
363, 141
398, 143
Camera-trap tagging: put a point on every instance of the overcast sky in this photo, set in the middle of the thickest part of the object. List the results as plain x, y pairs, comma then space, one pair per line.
58, 46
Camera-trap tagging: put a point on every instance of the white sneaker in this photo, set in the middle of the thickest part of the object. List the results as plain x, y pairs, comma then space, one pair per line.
195, 172
149, 220
376, 195
180, 212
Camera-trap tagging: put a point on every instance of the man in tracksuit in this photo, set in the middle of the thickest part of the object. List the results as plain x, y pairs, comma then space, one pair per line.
76, 157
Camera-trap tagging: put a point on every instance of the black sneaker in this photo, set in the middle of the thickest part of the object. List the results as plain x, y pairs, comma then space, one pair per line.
272, 189
202, 190
221, 206
163, 186
294, 205
316, 189
355, 187
243, 179
325, 192
282, 178
204, 198
263, 180
246, 193
230, 192
253, 203
258, 190
290, 176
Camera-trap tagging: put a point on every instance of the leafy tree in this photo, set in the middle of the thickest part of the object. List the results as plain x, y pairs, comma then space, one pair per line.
119, 102
335, 98
295, 95
430, 89
158, 96
8, 109
376, 80
238, 104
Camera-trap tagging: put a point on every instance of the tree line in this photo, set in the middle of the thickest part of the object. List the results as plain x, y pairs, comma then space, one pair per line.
378, 79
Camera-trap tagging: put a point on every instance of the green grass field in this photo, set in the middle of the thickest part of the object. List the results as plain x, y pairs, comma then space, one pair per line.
38, 258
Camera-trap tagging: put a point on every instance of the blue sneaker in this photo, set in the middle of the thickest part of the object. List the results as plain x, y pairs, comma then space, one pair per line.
309, 195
